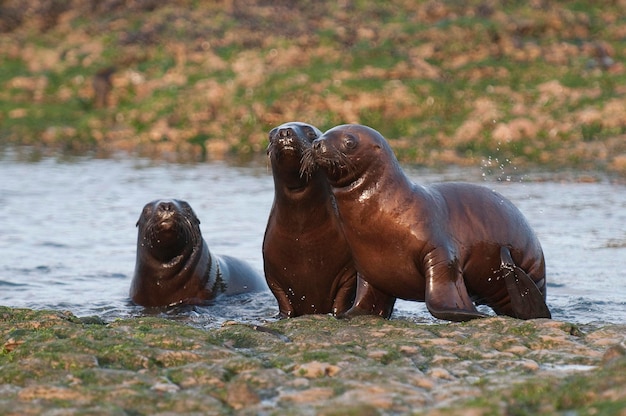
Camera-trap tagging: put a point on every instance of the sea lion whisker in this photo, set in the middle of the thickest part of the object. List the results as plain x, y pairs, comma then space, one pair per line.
347, 163
307, 164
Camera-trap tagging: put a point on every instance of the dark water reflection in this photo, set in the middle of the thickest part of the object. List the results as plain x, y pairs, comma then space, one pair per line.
67, 234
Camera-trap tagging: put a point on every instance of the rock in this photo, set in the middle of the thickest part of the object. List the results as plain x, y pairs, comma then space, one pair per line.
240, 395
311, 395
316, 369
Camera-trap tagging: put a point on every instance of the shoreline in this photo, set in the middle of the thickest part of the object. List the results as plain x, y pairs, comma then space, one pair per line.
490, 172
308, 365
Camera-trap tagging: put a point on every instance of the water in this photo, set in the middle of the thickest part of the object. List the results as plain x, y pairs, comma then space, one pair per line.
68, 236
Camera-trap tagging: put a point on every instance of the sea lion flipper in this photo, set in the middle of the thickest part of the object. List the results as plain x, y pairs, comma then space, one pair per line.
527, 301
345, 293
446, 293
455, 313
369, 301
285, 307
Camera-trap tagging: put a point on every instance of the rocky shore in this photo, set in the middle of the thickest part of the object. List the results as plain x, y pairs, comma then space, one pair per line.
54, 363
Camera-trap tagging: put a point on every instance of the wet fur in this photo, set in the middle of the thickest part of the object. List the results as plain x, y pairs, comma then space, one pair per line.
174, 264
307, 263
439, 244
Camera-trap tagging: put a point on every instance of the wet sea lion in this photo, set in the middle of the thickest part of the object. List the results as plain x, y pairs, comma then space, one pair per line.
307, 262
174, 265
449, 244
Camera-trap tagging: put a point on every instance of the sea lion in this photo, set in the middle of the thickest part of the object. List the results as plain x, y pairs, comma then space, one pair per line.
307, 262
174, 265
449, 244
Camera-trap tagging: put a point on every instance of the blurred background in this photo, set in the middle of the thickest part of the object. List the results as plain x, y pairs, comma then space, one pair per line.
514, 83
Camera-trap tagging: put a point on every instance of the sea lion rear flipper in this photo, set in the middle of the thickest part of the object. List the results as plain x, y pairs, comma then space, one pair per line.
527, 301
369, 301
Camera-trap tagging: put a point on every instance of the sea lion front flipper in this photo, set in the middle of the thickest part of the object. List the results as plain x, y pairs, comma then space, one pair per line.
285, 307
369, 301
446, 293
527, 301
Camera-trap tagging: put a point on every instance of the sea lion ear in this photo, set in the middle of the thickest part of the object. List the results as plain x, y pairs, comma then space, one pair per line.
144, 214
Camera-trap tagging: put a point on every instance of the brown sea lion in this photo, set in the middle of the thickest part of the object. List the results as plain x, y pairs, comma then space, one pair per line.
307, 262
174, 265
449, 244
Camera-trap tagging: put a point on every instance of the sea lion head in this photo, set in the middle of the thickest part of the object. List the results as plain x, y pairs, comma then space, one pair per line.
288, 143
347, 152
168, 227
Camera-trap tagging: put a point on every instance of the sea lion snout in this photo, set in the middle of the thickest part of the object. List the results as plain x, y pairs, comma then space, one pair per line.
286, 137
167, 208
285, 132
167, 205
294, 131
166, 212
319, 146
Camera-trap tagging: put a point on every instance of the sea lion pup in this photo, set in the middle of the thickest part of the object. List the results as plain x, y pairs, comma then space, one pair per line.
174, 265
449, 244
307, 262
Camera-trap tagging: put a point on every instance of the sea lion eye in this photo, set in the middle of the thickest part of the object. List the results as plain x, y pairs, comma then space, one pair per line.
311, 134
350, 142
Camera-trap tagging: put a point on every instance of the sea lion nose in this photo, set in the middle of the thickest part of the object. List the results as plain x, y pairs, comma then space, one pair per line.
286, 132
318, 145
167, 206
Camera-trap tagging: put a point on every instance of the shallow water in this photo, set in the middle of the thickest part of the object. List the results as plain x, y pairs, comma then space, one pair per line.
68, 235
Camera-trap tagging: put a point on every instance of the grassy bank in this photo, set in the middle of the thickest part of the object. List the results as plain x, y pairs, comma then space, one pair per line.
57, 363
538, 83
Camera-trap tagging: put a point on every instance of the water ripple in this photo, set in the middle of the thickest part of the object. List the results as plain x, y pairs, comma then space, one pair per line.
73, 247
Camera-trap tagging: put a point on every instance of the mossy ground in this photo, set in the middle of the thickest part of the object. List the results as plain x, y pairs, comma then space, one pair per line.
538, 83
56, 362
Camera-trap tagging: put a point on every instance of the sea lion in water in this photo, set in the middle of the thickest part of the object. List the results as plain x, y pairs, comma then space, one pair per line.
174, 265
307, 262
449, 244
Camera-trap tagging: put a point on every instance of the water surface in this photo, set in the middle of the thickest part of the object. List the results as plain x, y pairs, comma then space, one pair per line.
68, 236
